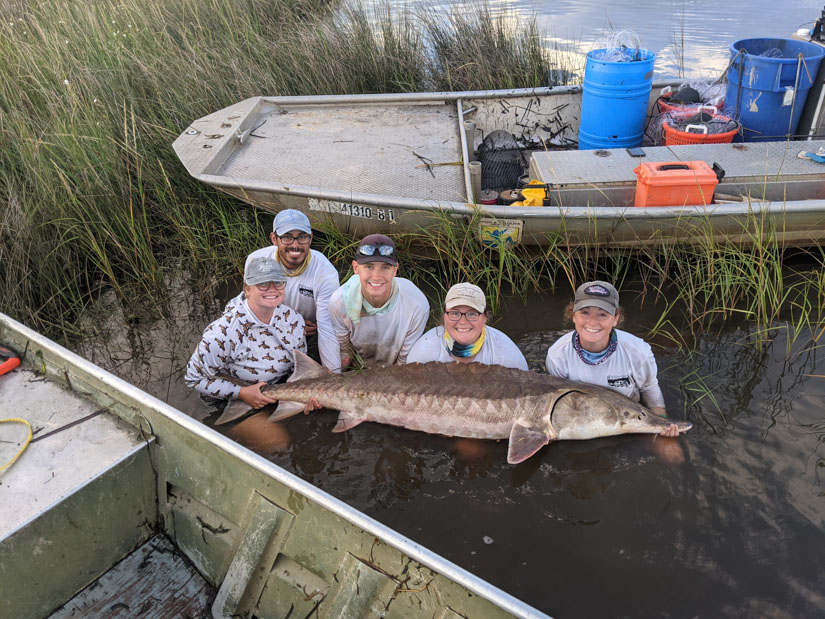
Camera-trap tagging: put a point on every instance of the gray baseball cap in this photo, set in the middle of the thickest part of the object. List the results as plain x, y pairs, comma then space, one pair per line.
262, 270
290, 219
597, 294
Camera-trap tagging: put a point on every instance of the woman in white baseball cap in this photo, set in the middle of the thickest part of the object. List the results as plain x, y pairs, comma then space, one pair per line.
464, 336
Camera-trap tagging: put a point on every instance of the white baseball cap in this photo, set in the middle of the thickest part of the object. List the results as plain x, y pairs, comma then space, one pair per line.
465, 294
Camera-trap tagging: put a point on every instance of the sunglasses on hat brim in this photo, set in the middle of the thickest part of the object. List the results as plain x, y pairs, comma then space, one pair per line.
388, 251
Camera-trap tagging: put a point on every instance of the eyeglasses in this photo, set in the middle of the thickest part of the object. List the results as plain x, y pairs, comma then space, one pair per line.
265, 286
371, 250
455, 315
288, 239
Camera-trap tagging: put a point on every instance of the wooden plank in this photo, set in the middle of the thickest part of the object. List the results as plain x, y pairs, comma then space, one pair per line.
154, 581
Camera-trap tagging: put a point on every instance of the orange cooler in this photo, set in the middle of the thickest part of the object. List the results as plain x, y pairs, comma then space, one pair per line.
674, 183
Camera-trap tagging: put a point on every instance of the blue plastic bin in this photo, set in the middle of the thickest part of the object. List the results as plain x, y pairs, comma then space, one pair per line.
615, 98
769, 99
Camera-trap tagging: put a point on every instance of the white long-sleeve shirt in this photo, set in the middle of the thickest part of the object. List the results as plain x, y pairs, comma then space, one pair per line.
498, 349
630, 370
383, 338
309, 294
239, 344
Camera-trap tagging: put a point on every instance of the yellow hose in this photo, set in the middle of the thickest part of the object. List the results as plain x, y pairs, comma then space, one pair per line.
26, 444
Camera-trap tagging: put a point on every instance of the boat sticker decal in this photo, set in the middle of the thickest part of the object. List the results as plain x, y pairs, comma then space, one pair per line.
496, 232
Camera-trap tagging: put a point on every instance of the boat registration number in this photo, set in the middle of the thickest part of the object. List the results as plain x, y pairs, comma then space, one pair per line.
353, 210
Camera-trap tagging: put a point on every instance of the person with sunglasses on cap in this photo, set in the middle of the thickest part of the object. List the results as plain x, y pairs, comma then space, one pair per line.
598, 353
310, 281
374, 313
251, 342
464, 335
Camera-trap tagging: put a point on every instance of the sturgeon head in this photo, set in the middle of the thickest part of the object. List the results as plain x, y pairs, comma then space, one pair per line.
583, 412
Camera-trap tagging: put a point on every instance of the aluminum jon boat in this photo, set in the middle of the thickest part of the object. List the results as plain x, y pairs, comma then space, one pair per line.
124, 506
393, 163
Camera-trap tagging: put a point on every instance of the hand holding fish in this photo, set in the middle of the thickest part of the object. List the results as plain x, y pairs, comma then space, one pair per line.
671, 431
251, 394
471, 400
311, 405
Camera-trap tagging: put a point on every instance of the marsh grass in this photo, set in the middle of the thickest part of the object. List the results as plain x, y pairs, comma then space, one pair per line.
701, 286
93, 93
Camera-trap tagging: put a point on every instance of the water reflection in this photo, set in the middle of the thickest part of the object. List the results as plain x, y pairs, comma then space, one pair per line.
605, 527
695, 35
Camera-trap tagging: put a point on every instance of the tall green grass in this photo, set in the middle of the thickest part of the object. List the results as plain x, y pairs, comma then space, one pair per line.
93, 93
700, 286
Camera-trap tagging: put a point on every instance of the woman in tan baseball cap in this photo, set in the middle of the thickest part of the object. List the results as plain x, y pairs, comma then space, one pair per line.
464, 335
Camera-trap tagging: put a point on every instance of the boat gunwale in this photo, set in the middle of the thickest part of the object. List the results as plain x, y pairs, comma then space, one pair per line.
403, 97
35, 344
550, 213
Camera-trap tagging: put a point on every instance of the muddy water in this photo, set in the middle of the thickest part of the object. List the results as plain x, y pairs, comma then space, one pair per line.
726, 521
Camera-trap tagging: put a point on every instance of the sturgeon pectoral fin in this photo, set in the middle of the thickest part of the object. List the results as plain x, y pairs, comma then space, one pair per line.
286, 410
233, 410
306, 367
525, 441
347, 421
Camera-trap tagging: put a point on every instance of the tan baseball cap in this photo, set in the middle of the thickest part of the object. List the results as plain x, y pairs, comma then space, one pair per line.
465, 294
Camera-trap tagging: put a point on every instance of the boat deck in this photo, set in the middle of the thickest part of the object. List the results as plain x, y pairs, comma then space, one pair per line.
74, 442
376, 148
761, 170
81, 496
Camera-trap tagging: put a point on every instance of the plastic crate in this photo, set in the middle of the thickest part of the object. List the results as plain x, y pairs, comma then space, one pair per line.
675, 137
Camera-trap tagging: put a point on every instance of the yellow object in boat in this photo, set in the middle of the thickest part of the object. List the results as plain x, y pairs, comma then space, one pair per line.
534, 196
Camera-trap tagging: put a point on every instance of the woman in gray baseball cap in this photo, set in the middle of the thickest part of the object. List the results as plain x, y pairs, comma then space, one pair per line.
251, 342
598, 353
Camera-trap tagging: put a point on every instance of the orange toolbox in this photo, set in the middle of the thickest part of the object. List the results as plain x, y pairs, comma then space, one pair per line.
675, 183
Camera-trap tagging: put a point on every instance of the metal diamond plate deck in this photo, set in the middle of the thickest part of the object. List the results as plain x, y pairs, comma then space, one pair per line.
750, 161
368, 148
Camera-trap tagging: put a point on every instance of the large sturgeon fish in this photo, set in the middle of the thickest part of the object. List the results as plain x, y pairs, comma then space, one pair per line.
468, 399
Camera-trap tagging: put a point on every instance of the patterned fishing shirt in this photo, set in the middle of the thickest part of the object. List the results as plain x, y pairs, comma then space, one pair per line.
240, 345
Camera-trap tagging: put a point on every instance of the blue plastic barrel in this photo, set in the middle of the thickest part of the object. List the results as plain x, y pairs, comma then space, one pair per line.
615, 99
769, 98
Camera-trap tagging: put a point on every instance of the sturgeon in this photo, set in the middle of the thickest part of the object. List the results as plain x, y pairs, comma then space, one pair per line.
471, 400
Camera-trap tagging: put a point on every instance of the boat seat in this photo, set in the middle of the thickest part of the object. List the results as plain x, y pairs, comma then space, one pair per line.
605, 177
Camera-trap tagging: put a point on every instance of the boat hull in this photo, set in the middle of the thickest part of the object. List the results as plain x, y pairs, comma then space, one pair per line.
399, 163
271, 544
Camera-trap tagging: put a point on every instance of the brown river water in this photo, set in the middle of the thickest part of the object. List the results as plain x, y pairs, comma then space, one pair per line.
726, 521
